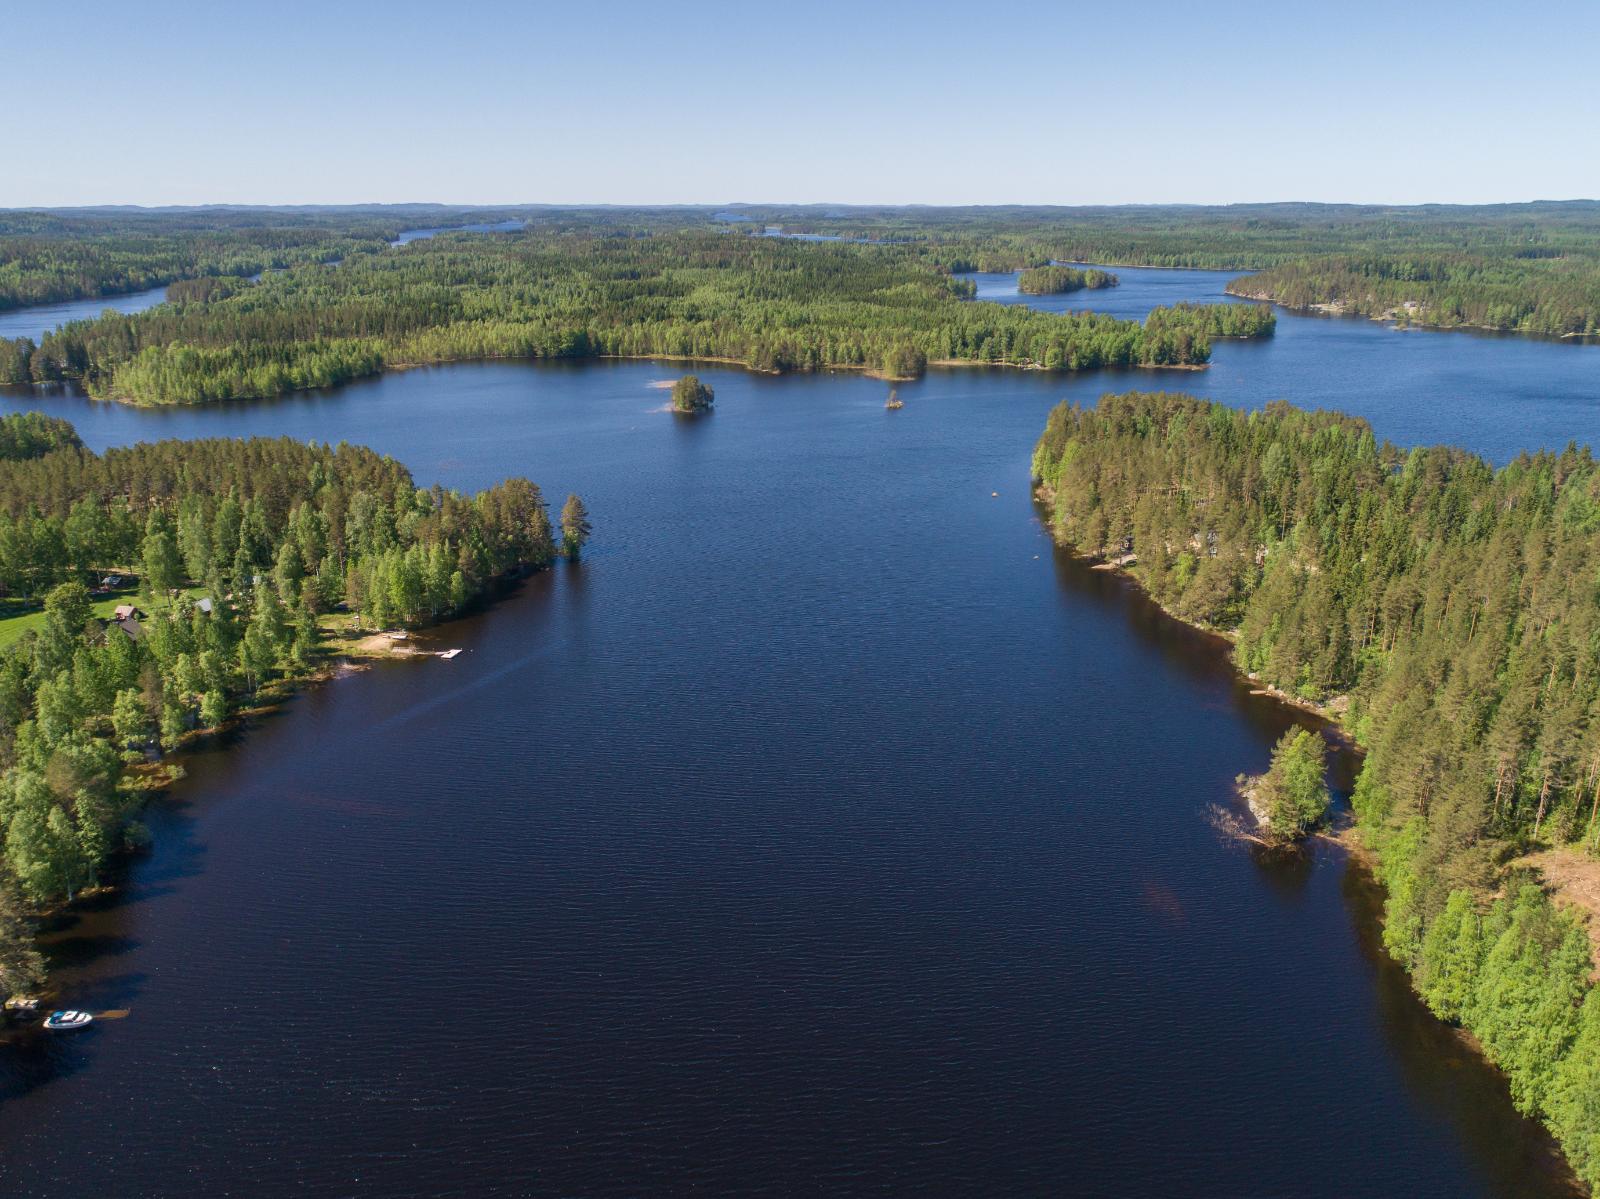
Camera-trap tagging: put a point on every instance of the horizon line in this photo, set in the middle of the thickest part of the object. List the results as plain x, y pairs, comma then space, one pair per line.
767, 204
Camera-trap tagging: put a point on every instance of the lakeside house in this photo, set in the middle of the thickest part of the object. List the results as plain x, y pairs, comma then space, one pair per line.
126, 618
130, 626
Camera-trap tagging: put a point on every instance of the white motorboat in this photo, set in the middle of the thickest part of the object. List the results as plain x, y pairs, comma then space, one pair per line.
67, 1021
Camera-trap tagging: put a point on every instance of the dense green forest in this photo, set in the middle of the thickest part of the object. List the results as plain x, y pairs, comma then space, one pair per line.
1059, 280
1213, 320
242, 548
1000, 238
772, 304
33, 434
82, 253
339, 302
1448, 612
1527, 268
44, 269
1217, 237
1524, 294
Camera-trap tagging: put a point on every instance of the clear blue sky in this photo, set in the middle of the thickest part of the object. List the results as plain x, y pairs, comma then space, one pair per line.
667, 101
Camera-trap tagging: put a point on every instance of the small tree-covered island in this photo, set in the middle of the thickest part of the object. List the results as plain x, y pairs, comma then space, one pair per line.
1058, 280
1291, 798
258, 561
690, 395
1445, 612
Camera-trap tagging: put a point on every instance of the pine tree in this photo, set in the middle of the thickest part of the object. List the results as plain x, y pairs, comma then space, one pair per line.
163, 566
575, 527
21, 967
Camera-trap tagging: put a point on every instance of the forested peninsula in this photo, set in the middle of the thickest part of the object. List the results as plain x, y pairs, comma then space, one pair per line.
49, 257
770, 304
1539, 294
1445, 611
250, 555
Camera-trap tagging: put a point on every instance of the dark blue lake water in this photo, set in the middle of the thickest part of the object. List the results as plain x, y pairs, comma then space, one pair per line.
825, 831
1492, 393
